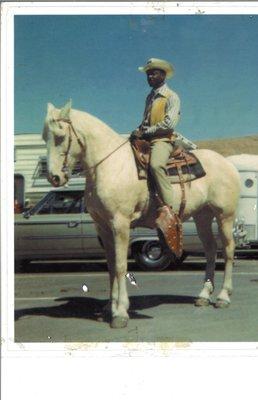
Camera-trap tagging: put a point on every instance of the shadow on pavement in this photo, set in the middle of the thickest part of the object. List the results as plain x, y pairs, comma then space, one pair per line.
92, 309
101, 266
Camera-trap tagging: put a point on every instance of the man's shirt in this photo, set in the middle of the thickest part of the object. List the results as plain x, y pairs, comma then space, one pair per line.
172, 109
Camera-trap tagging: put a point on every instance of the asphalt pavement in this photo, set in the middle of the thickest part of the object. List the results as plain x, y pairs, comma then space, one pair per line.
63, 303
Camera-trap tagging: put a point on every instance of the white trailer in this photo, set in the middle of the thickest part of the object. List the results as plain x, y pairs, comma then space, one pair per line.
247, 165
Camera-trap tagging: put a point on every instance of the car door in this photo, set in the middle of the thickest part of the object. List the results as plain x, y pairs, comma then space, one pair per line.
91, 243
54, 226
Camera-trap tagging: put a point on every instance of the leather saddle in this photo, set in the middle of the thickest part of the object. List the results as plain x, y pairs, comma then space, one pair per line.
180, 158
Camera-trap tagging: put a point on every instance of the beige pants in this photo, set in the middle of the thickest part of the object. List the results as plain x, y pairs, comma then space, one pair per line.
160, 152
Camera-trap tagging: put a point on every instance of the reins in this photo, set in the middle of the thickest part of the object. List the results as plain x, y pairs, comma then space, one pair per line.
107, 156
83, 148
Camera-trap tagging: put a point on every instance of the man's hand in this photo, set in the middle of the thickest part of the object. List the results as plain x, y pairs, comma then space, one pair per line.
136, 134
145, 134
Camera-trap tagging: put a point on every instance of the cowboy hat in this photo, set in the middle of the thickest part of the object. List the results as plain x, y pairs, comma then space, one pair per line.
156, 63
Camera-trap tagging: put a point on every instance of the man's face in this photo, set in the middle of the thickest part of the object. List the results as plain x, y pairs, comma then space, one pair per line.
155, 77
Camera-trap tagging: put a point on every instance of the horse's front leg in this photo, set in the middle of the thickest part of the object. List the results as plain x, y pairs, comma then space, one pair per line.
106, 235
121, 232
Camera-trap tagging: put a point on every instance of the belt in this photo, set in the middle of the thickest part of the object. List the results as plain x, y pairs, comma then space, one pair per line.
168, 135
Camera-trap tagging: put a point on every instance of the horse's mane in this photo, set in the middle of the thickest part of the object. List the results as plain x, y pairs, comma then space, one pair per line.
82, 120
82, 117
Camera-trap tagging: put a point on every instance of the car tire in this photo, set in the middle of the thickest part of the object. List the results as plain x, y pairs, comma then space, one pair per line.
150, 256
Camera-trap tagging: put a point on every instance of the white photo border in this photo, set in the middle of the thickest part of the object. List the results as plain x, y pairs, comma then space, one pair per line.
93, 351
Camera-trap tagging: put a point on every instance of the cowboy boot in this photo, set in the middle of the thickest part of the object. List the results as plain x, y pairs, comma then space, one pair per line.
169, 228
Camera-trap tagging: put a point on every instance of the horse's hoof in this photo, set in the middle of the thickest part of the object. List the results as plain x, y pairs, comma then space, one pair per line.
202, 302
119, 322
220, 303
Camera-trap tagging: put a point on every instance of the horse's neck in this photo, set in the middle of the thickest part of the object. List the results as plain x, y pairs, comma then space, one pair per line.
99, 139
111, 172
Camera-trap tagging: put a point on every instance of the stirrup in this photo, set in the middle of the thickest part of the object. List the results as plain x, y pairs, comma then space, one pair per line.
170, 230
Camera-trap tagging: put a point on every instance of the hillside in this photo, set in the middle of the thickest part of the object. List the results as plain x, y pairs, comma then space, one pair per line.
228, 147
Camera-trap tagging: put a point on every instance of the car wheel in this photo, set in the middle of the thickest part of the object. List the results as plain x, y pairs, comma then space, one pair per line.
151, 256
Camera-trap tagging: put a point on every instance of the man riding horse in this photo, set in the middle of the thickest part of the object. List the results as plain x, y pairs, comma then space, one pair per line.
162, 112
117, 199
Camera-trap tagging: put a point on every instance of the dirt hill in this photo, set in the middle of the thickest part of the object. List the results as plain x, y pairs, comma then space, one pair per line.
228, 147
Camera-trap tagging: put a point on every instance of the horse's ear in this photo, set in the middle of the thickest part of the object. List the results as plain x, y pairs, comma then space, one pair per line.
65, 111
50, 108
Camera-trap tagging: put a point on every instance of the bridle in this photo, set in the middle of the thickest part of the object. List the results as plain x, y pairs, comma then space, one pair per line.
72, 132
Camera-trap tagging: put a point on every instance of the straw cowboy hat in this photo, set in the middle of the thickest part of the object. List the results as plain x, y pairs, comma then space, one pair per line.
156, 63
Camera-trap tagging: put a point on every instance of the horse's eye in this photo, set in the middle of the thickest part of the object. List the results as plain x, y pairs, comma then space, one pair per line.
58, 140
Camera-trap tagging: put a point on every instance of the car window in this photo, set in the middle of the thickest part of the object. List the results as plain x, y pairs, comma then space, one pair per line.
45, 208
62, 203
66, 205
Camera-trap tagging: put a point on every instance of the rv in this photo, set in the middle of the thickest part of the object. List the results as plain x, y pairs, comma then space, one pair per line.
247, 213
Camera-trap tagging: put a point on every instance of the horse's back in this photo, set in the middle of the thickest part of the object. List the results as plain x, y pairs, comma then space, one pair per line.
211, 159
222, 180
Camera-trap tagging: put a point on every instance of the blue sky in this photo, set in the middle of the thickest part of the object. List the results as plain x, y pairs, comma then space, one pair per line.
94, 61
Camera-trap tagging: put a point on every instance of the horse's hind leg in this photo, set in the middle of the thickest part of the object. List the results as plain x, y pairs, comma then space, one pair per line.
225, 224
203, 221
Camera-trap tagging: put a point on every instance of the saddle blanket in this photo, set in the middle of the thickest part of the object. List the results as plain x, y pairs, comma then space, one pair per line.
189, 172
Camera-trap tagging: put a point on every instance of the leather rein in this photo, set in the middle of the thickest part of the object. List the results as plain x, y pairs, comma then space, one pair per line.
72, 131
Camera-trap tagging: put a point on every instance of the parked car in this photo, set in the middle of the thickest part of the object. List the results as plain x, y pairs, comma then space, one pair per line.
59, 227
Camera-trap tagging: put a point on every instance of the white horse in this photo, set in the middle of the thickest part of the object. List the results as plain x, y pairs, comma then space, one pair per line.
117, 199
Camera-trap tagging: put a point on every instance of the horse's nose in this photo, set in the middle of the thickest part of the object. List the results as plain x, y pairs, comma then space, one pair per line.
55, 180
